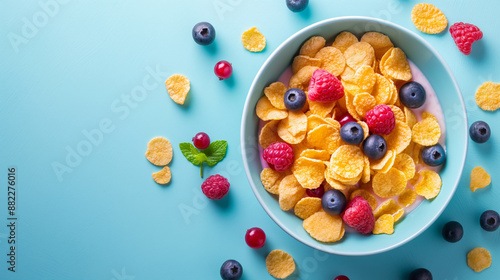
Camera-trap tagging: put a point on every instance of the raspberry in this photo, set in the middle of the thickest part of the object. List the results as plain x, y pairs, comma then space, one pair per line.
380, 119
324, 87
215, 187
358, 214
279, 155
464, 34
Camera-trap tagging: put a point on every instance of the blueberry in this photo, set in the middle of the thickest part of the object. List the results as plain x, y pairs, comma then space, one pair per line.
412, 95
420, 274
433, 155
452, 231
375, 147
489, 220
203, 33
479, 132
295, 99
333, 202
231, 270
297, 5
352, 133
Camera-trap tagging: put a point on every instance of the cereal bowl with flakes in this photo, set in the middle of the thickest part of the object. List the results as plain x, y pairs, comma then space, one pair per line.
354, 135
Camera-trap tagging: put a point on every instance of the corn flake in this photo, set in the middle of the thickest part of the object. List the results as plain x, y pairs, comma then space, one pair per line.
426, 132
325, 137
344, 40
488, 96
359, 54
324, 227
405, 164
307, 206
269, 134
390, 207
363, 103
332, 60
381, 43
178, 87
253, 40
301, 61
367, 196
301, 79
479, 259
430, 184
389, 184
271, 179
312, 46
365, 78
159, 151
410, 118
163, 176
383, 89
321, 109
309, 172
280, 264
479, 178
347, 161
315, 154
384, 224
407, 197
428, 18
275, 92
395, 66
290, 192
266, 111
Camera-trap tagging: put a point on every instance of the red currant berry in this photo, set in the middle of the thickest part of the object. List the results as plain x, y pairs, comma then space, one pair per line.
341, 277
255, 238
223, 69
319, 192
201, 140
345, 119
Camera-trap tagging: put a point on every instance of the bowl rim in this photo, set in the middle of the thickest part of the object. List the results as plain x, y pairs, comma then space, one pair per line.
248, 106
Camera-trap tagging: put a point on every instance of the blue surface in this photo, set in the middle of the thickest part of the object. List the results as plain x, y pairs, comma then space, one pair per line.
107, 219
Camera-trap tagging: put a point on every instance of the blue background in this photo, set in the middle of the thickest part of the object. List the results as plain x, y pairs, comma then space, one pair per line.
105, 218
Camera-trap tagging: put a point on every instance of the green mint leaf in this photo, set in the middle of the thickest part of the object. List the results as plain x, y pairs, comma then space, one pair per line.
192, 154
215, 152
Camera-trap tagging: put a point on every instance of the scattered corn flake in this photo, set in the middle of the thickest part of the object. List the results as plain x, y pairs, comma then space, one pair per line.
407, 197
366, 129
309, 172
367, 196
348, 74
312, 46
298, 148
398, 113
388, 165
389, 184
307, 206
269, 134
414, 181
347, 161
301, 79
366, 175
290, 192
428, 18
344, 40
271, 179
390, 207
301, 61
280, 264
253, 40
426, 132
315, 154
343, 180
359, 54
324, 227
405, 163
479, 259
325, 137
332, 60
488, 96
379, 164
430, 184
314, 121
275, 92
321, 109
399, 138
332, 182
479, 178
363, 103
266, 111
384, 224
349, 102
351, 88
381, 43
178, 87
163, 176
293, 129
159, 151
395, 66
